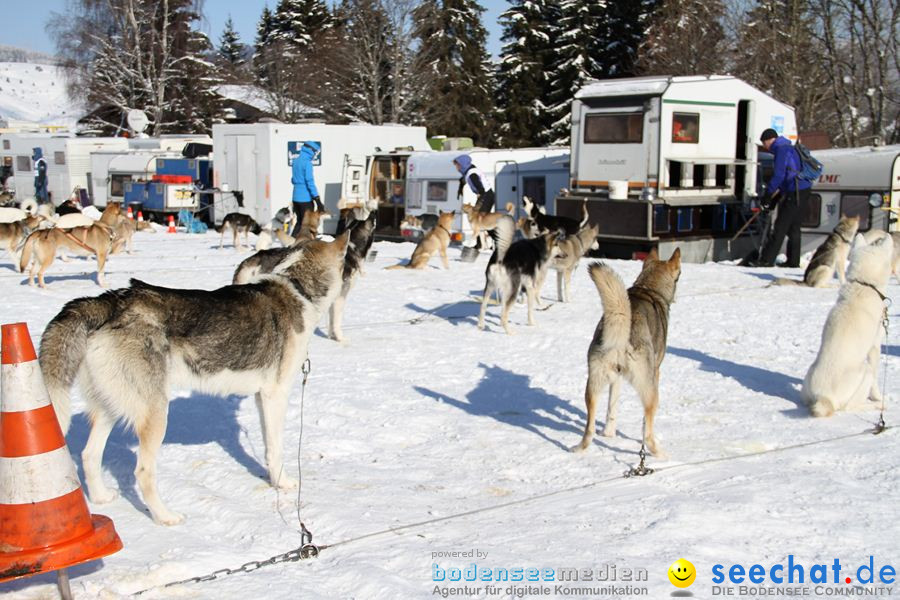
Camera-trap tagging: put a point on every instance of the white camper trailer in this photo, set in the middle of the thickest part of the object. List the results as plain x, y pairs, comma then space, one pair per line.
854, 181
253, 163
13, 158
669, 161
68, 162
432, 182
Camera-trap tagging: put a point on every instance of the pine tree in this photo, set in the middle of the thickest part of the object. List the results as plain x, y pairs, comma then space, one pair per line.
230, 47
194, 103
685, 37
580, 47
459, 91
523, 88
626, 25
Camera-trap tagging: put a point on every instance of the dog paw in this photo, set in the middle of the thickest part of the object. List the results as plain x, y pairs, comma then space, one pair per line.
103, 496
609, 432
286, 483
168, 518
579, 448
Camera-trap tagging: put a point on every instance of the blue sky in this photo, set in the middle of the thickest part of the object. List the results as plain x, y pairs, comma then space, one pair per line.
24, 26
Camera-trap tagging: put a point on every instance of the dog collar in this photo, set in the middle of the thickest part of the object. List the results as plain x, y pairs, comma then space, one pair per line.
445, 229
869, 285
845, 239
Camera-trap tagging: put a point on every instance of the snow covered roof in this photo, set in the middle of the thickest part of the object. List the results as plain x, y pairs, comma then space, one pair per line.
256, 98
633, 86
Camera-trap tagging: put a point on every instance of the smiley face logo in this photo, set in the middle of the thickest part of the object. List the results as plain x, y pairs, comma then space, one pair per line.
682, 573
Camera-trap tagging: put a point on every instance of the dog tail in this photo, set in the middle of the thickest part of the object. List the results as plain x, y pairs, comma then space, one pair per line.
64, 345
502, 235
27, 248
616, 307
510, 208
585, 218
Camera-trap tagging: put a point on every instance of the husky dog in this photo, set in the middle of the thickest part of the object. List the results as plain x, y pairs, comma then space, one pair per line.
13, 234
546, 223
830, 257
123, 228
361, 236
238, 223
309, 228
571, 249
482, 222
239, 339
284, 218
424, 222
630, 341
437, 240
844, 373
44, 243
514, 266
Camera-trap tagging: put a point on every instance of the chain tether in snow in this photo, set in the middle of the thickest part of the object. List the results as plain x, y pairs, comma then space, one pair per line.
885, 322
641, 470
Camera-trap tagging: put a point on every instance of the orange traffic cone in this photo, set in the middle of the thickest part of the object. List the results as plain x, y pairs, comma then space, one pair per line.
140, 217
130, 214
44, 520
171, 224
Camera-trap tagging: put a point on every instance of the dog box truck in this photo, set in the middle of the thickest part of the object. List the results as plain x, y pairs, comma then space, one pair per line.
854, 181
68, 163
111, 170
432, 182
669, 161
252, 166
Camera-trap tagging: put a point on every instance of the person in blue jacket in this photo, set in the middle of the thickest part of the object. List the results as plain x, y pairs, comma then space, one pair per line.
789, 192
305, 192
41, 193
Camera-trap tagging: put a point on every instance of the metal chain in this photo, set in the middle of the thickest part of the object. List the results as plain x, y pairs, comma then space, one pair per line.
305, 534
641, 470
885, 322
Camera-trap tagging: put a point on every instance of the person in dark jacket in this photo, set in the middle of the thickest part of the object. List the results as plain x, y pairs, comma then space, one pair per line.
786, 190
472, 178
305, 192
41, 193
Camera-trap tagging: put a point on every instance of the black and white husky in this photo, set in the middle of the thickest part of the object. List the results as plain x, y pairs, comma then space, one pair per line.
515, 266
129, 348
361, 236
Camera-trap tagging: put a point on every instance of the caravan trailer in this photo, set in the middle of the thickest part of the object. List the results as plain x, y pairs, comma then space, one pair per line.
669, 161
68, 162
432, 182
855, 181
252, 171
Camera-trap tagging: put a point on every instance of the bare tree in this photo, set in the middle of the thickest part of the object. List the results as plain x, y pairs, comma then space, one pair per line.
861, 59
685, 37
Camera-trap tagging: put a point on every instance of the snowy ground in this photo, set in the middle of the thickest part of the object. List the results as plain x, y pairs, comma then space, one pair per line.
36, 93
421, 417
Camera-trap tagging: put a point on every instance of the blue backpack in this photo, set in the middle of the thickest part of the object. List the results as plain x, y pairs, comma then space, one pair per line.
810, 168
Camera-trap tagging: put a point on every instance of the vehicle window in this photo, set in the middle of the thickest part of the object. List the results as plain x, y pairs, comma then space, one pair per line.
535, 188
857, 204
614, 128
811, 211
59, 158
685, 128
23, 163
437, 191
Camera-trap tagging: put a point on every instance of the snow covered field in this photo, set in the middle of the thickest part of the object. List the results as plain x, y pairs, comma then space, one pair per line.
421, 419
36, 93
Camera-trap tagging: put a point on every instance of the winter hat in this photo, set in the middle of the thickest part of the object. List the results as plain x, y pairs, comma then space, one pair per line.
464, 161
768, 134
37, 154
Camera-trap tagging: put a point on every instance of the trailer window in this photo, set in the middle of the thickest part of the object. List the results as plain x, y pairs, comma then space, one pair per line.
23, 163
685, 128
535, 188
614, 128
59, 158
437, 191
117, 185
6, 144
414, 194
853, 205
811, 211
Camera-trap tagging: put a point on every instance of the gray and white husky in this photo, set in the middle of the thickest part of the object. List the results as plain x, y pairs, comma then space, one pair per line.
844, 373
830, 257
361, 236
129, 348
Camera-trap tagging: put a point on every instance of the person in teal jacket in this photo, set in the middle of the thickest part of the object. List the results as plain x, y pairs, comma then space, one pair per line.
305, 192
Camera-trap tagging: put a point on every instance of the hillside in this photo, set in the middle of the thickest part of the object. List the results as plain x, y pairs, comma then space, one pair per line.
36, 93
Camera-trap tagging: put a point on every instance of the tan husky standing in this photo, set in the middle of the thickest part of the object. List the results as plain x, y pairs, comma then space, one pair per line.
830, 257
571, 249
630, 341
96, 239
309, 228
436, 240
482, 221
13, 234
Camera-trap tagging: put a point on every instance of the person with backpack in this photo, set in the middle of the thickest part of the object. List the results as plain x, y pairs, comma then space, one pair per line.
41, 193
788, 189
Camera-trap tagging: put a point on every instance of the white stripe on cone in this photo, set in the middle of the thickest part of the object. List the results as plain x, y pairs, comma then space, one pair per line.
37, 478
23, 387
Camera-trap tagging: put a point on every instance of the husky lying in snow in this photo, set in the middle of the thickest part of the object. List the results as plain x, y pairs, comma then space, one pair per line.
845, 371
239, 339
